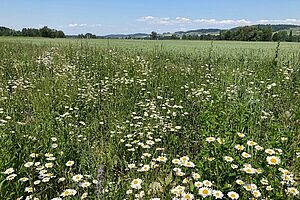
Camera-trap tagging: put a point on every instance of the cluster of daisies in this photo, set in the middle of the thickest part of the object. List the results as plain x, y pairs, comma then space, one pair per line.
191, 187
41, 172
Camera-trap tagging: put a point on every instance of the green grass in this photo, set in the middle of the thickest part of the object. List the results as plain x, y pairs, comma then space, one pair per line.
104, 104
148, 44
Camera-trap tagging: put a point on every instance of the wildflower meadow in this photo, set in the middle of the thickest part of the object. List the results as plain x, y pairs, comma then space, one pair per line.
151, 120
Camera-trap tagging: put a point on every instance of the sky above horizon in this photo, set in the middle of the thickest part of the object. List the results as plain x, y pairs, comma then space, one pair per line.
103, 17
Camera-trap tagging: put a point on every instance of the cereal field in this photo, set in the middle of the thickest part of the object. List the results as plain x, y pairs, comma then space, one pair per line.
116, 119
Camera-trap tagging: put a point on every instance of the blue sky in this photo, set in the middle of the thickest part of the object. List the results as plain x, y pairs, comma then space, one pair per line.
119, 16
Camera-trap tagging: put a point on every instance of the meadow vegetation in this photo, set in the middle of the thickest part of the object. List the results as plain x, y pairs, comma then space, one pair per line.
100, 119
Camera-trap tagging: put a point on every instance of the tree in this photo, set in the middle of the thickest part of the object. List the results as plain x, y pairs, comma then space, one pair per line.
153, 35
290, 37
45, 32
280, 36
267, 34
32, 32
174, 37
60, 34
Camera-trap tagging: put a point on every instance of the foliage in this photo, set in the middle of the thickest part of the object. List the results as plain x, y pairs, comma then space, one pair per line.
87, 36
32, 32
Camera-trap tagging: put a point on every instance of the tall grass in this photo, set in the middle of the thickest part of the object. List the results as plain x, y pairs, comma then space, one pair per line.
108, 122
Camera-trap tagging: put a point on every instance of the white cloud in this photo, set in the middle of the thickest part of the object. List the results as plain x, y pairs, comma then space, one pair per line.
84, 25
279, 21
73, 25
183, 21
223, 22
155, 20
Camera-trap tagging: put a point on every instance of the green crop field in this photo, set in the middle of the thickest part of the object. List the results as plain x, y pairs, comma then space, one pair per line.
134, 119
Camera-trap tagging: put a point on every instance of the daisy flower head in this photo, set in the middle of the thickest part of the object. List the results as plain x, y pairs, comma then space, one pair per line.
85, 184
61, 179
241, 135
195, 175
273, 160
9, 171
250, 187
185, 181
28, 164
205, 192
129, 192
210, 139
162, 159
239, 147
33, 155
36, 182
136, 183
189, 164
218, 194
29, 189
251, 143
256, 193
269, 188
249, 170
233, 166
228, 159
259, 148
198, 184
70, 163
77, 178
49, 165
24, 179
68, 192
184, 159
264, 181
145, 168
270, 151
293, 191
233, 195
187, 196
207, 183
220, 140
180, 188
177, 170
176, 161
240, 182
11, 177
246, 155
84, 195
131, 166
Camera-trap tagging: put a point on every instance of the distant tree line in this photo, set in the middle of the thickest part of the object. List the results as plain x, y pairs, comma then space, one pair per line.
255, 33
246, 33
33, 32
87, 36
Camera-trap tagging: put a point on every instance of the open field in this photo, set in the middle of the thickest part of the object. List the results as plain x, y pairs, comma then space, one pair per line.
132, 119
150, 44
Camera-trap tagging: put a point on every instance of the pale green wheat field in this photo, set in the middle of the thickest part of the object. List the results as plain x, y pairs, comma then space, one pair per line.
132, 119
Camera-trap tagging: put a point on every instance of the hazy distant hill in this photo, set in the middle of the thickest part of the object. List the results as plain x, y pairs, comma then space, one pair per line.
135, 35
199, 32
210, 31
